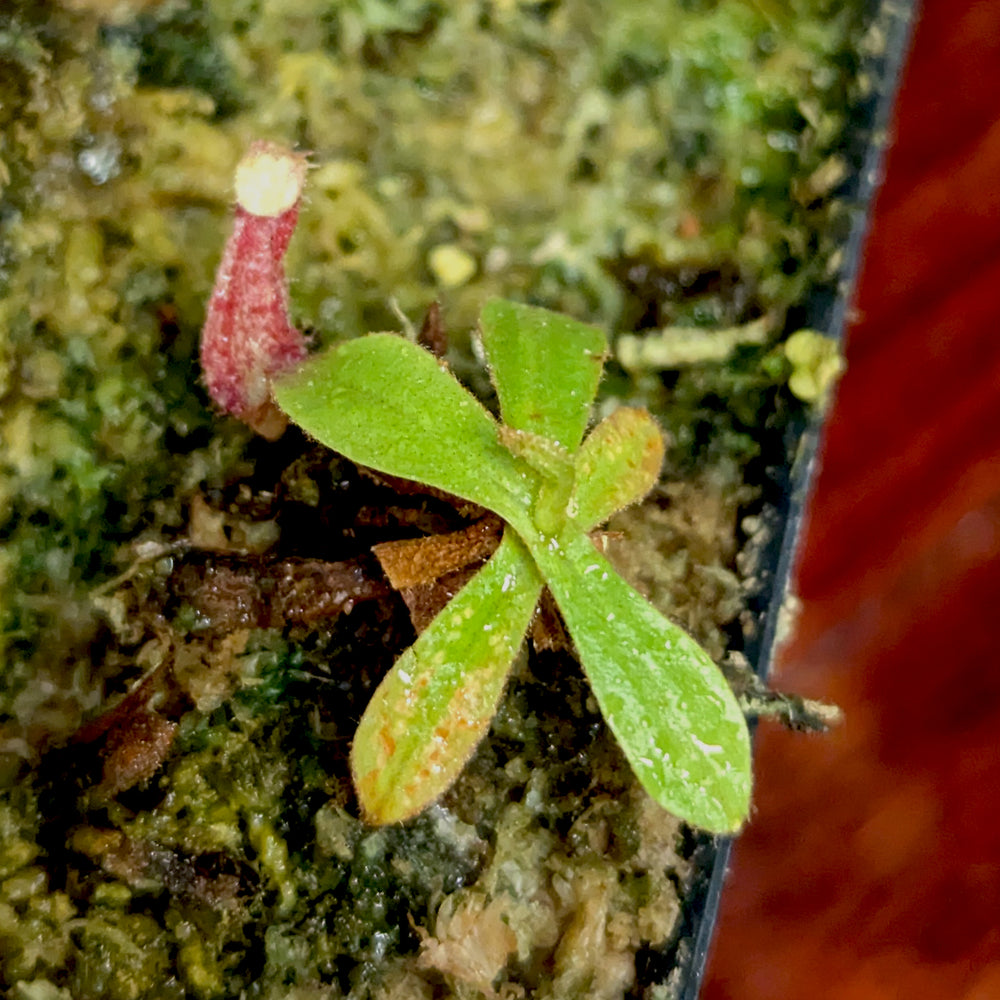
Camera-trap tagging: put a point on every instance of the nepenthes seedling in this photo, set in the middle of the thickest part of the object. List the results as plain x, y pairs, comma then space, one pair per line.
388, 404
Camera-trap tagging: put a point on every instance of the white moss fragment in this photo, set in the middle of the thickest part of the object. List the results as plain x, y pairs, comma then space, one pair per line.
40, 989
677, 347
473, 940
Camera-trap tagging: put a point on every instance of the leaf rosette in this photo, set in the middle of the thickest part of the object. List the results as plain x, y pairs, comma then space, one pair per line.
386, 403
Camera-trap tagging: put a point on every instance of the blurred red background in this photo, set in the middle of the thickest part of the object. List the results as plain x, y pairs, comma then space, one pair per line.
871, 867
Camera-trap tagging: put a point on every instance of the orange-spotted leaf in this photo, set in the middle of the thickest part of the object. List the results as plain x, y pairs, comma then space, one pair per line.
436, 703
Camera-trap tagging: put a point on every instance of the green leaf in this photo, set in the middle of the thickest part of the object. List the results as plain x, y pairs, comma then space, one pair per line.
388, 404
546, 368
437, 702
667, 703
617, 465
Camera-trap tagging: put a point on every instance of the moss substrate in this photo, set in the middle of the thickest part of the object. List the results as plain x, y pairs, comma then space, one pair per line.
665, 169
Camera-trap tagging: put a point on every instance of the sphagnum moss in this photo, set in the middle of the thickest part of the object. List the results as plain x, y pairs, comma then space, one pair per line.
626, 162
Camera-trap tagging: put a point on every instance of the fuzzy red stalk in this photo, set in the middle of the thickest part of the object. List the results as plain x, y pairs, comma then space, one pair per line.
247, 337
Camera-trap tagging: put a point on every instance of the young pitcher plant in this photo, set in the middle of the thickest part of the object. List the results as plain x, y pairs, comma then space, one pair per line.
390, 405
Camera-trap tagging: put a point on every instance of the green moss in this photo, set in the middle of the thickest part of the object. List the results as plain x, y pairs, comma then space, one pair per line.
119, 955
